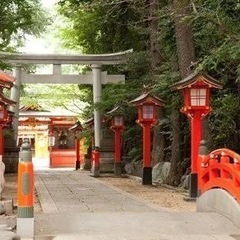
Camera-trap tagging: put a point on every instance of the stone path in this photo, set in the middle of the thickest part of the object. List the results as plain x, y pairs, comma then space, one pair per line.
71, 192
77, 206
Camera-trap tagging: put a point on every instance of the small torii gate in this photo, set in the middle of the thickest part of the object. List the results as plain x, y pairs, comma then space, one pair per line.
96, 77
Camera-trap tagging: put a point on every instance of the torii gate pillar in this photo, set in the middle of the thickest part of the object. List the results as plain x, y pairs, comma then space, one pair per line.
97, 92
15, 96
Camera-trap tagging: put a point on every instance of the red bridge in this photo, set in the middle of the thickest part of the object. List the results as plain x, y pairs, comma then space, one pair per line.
219, 182
220, 169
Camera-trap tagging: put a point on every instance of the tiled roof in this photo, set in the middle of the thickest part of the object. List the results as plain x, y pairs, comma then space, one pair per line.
6, 80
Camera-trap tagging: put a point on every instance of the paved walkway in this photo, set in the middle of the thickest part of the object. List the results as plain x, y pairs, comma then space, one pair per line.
78, 206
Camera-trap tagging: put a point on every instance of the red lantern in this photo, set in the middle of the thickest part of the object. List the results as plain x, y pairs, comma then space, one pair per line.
147, 108
117, 121
196, 92
4, 102
3, 112
117, 127
147, 112
10, 116
147, 117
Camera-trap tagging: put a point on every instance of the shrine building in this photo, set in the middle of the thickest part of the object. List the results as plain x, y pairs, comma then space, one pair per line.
50, 137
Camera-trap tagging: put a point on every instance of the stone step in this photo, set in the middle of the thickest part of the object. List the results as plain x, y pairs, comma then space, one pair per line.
106, 154
106, 160
106, 164
106, 149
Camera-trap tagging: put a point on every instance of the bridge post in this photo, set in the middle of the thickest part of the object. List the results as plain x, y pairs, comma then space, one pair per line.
202, 154
25, 210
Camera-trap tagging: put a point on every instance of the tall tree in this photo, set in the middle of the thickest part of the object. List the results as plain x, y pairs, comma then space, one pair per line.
186, 55
156, 60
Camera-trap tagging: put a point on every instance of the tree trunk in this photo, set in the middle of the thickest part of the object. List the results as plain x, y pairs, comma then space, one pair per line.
186, 55
156, 58
156, 61
176, 170
158, 142
184, 37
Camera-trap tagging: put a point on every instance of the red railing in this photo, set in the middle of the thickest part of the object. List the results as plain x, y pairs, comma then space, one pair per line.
219, 169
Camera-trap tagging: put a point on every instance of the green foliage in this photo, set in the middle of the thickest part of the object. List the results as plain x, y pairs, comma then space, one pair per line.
52, 96
217, 41
18, 18
216, 32
135, 154
132, 136
225, 122
99, 26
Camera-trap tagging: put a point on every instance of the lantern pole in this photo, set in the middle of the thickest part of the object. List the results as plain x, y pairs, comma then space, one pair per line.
196, 136
77, 146
117, 155
1, 141
147, 169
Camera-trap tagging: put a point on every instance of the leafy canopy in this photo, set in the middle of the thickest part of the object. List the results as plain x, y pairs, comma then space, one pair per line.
18, 18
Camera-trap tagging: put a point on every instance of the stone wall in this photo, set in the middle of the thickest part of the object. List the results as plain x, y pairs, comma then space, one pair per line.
107, 150
10, 159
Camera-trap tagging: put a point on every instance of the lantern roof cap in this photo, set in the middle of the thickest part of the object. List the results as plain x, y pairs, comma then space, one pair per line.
6, 101
6, 81
76, 126
116, 111
193, 78
10, 112
147, 97
89, 122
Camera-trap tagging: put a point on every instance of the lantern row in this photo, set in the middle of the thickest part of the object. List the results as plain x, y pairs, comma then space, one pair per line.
196, 92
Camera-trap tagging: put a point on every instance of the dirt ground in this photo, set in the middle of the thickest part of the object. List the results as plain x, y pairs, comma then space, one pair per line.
10, 193
163, 196
167, 197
